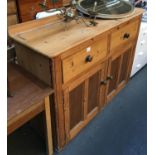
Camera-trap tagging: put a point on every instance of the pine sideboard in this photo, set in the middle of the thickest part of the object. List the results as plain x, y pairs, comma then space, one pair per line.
86, 66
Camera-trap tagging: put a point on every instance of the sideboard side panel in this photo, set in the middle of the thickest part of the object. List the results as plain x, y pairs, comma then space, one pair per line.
59, 105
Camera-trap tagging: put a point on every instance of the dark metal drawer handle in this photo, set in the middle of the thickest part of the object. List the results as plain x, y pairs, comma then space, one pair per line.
126, 36
110, 77
103, 82
88, 58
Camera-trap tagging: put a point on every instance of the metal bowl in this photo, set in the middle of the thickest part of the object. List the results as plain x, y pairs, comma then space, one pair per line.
106, 9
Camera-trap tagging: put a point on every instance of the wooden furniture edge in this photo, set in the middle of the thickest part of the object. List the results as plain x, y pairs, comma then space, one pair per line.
21, 119
48, 126
23, 27
59, 106
134, 48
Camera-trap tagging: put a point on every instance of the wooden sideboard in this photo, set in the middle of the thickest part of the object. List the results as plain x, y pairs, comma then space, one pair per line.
86, 66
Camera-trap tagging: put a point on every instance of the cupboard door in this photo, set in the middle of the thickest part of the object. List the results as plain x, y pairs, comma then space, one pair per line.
76, 105
114, 72
82, 102
93, 93
124, 67
118, 72
74, 110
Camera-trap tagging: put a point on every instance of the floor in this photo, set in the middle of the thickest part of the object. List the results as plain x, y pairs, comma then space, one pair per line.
120, 129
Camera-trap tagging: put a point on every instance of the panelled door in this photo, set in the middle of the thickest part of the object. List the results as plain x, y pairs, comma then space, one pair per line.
82, 101
118, 71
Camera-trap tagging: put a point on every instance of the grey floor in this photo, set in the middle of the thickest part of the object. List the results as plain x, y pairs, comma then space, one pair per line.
120, 129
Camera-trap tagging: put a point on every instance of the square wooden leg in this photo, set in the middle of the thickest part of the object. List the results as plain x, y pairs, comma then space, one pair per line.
48, 126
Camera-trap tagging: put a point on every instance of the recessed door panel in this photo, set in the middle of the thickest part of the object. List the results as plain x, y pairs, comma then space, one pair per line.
124, 66
119, 68
115, 66
76, 105
82, 100
93, 91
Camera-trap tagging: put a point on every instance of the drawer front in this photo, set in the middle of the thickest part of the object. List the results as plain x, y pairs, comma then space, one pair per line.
11, 7
12, 20
84, 59
124, 34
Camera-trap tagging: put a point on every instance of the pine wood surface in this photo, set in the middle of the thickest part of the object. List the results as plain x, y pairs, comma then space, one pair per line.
53, 41
11, 7
12, 19
48, 36
76, 63
26, 90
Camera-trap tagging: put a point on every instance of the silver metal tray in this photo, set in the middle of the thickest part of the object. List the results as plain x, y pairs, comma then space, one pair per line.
106, 9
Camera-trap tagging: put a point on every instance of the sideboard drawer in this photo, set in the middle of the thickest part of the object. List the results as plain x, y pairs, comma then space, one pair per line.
84, 59
124, 34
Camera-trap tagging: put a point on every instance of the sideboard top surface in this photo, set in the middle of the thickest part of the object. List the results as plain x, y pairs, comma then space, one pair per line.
51, 38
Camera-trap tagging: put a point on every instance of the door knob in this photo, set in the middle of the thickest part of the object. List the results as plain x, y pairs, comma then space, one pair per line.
110, 77
88, 58
126, 36
103, 82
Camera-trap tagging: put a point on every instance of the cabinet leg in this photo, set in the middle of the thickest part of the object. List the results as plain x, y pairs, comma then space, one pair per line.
48, 127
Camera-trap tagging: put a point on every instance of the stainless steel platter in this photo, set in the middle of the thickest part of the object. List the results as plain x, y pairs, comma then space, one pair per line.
106, 9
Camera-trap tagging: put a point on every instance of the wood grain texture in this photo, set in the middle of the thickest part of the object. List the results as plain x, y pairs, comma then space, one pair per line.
76, 98
102, 97
34, 63
74, 110
45, 35
78, 80
48, 126
67, 114
11, 7
117, 37
28, 95
21, 117
115, 66
119, 68
134, 49
124, 67
125, 51
85, 106
81, 101
27, 90
59, 105
76, 63
93, 91
12, 20
50, 40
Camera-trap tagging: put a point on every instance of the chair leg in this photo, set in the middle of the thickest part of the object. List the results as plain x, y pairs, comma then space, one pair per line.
48, 127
